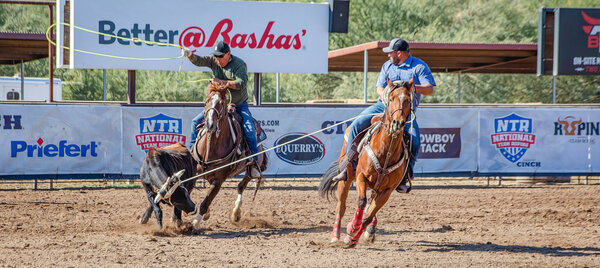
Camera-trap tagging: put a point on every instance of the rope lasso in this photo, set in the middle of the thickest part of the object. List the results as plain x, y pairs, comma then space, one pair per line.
133, 39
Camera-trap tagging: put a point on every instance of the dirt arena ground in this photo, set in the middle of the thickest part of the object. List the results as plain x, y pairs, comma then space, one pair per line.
536, 225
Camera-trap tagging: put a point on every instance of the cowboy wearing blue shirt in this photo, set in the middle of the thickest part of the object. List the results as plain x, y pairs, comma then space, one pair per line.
401, 66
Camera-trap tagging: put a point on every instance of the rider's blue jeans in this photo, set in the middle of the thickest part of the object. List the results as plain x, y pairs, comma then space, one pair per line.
362, 122
247, 127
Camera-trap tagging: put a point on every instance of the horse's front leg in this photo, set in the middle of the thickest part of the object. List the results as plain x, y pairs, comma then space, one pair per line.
355, 228
204, 212
370, 221
236, 213
342, 194
370, 230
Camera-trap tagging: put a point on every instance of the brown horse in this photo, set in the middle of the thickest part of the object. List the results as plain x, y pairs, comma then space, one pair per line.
221, 144
382, 163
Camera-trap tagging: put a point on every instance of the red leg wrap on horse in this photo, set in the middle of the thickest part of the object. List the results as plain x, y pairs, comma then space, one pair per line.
356, 222
357, 218
336, 229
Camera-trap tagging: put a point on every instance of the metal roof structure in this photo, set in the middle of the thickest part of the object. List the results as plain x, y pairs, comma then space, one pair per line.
17, 47
442, 57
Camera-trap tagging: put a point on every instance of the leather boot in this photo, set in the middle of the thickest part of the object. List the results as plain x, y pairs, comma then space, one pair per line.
403, 188
254, 170
343, 175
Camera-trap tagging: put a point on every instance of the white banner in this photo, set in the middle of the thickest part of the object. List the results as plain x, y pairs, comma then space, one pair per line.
308, 156
100, 139
145, 127
448, 140
539, 140
60, 139
268, 36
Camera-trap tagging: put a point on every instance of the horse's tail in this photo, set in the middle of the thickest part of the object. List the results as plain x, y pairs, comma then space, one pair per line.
328, 186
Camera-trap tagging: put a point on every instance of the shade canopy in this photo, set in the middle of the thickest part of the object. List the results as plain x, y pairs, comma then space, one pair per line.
443, 57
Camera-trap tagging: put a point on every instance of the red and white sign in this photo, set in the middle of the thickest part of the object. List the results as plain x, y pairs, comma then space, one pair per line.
268, 36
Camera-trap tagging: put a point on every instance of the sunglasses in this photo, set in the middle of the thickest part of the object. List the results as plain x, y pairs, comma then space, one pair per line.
219, 56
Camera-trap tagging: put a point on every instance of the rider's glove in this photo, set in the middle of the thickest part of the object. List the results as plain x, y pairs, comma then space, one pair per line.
186, 52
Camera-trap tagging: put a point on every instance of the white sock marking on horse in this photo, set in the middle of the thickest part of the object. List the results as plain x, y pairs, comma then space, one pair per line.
238, 202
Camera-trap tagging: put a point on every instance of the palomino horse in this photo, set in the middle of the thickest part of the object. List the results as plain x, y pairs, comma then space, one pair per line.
222, 143
382, 163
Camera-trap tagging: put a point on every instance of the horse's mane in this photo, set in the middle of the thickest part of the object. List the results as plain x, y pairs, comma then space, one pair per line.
212, 87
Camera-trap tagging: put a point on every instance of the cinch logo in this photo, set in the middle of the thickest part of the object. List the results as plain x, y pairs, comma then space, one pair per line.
593, 31
63, 149
158, 131
305, 151
337, 130
195, 37
10, 121
513, 136
571, 126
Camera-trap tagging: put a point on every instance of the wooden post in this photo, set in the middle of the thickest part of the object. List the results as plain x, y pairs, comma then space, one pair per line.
131, 86
51, 55
257, 88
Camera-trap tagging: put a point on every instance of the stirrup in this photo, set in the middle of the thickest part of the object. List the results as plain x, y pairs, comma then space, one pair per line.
254, 169
402, 187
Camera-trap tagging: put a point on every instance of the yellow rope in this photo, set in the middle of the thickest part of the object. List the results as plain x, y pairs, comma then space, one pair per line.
133, 39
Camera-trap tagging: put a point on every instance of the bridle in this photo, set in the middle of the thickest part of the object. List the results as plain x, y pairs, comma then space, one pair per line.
388, 116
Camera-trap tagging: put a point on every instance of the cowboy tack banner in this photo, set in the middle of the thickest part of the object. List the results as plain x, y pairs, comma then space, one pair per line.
448, 138
268, 36
542, 140
60, 139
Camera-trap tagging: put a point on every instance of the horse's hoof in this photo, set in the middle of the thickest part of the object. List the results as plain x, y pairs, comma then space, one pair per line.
206, 215
350, 230
335, 239
349, 241
197, 221
236, 215
370, 234
144, 220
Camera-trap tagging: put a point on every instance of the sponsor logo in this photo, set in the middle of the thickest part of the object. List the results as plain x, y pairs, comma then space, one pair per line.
592, 30
337, 130
158, 131
440, 143
195, 37
63, 149
304, 151
8, 121
268, 125
578, 130
513, 136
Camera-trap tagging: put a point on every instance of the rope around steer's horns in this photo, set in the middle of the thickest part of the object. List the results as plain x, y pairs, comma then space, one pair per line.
253, 155
163, 193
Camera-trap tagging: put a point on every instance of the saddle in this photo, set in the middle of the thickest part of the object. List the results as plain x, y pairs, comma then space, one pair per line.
235, 125
360, 145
